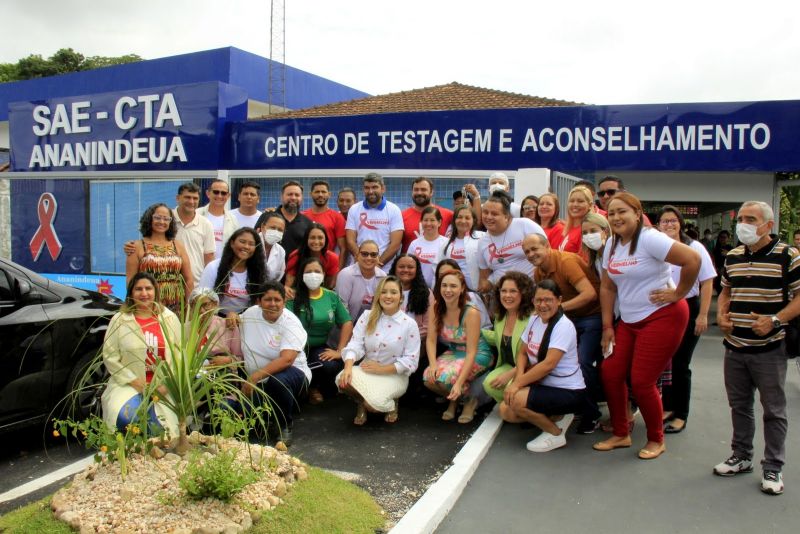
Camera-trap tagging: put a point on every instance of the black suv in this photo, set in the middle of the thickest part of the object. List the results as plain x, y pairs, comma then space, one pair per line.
49, 333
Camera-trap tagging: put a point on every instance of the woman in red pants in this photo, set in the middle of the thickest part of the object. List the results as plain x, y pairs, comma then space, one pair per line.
652, 310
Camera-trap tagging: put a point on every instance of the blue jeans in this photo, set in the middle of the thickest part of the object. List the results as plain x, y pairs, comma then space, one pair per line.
283, 390
128, 414
590, 355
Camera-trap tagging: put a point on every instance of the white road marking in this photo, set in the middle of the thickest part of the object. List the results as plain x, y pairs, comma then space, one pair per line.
46, 480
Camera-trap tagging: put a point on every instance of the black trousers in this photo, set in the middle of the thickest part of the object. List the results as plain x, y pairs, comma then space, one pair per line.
676, 396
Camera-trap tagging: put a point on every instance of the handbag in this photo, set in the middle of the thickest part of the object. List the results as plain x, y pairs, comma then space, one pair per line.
792, 328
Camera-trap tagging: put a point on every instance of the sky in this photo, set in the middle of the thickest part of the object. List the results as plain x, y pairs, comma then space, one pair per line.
612, 52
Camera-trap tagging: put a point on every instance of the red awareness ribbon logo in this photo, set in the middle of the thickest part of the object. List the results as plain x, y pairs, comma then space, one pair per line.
493, 254
418, 254
363, 222
46, 233
611, 268
455, 255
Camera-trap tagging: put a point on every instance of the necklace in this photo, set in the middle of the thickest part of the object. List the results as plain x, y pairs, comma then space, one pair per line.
496, 253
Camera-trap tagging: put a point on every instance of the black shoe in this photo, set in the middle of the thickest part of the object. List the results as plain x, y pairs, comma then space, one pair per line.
669, 427
587, 425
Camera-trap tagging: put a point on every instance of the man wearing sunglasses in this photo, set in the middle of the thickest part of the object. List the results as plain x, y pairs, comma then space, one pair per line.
222, 220
607, 188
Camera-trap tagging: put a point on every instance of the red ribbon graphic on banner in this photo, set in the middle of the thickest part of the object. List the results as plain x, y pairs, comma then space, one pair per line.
46, 233
363, 222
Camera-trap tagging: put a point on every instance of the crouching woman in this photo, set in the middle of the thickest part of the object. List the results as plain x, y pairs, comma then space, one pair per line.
386, 340
139, 335
548, 387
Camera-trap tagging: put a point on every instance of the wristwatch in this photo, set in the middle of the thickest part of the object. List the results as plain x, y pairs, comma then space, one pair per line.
776, 323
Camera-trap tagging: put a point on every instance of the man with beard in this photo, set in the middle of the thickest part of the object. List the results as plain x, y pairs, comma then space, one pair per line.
375, 219
331, 220
422, 194
296, 222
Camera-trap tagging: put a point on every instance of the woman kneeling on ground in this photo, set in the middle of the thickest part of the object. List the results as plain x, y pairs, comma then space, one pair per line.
455, 324
386, 340
546, 392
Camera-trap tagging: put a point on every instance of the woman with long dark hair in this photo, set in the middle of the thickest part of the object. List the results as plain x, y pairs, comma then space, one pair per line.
320, 310
455, 324
238, 276
675, 397
159, 254
528, 207
315, 245
637, 273
462, 246
428, 246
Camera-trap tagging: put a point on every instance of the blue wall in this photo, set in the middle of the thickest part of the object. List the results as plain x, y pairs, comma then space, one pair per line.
229, 65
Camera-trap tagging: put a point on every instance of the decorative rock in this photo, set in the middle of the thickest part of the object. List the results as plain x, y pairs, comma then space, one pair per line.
72, 519
281, 446
125, 494
172, 457
85, 529
232, 528
207, 529
301, 474
273, 500
157, 453
194, 437
280, 488
247, 521
58, 502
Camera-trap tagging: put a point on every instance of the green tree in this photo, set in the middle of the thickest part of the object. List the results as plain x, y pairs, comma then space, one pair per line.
64, 61
790, 206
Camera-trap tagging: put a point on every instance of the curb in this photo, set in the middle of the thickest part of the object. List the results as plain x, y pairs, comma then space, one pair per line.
46, 480
429, 511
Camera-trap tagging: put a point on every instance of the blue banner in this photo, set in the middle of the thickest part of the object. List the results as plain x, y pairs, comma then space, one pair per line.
165, 128
49, 222
748, 136
105, 284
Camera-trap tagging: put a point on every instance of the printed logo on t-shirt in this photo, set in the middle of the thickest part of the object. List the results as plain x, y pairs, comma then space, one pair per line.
614, 266
458, 253
365, 222
367, 300
503, 253
274, 341
236, 292
218, 236
425, 257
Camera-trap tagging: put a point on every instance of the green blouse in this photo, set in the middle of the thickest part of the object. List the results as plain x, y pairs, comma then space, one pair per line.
327, 311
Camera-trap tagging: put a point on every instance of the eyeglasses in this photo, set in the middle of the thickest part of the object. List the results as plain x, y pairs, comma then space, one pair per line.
368, 254
528, 209
607, 192
667, 222
161, 218
219, 193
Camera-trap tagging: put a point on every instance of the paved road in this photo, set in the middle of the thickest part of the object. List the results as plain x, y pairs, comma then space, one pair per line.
576, 489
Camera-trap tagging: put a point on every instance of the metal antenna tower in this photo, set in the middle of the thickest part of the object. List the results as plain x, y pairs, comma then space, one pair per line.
276, 90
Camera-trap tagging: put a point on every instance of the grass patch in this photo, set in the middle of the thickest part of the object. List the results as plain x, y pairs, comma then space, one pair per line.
323, 503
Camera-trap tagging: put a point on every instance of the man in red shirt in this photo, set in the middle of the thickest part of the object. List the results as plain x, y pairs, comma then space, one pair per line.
421, 194
331, 220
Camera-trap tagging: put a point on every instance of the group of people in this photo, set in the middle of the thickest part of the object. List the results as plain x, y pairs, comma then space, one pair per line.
489, 301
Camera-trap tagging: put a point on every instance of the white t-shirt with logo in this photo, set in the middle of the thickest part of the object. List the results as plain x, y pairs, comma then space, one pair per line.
375, 224
246, 221
262, 342
427, 252
234, 297
503, 253
636, 276
707, 271
567, 373
218, 224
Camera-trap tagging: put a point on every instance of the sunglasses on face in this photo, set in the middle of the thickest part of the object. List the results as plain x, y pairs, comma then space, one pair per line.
369, 254
219, 193
607, 192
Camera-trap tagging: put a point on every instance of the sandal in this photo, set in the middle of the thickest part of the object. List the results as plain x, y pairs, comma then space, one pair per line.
450, 413
468, 412
361, 416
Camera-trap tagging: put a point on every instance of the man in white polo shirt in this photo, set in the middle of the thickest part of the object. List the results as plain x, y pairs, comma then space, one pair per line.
377, 219
222, 221
194, 230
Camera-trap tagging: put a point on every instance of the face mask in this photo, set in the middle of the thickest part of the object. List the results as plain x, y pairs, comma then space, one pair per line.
496, 187
272, 236
748, 233
313, 280
593, 241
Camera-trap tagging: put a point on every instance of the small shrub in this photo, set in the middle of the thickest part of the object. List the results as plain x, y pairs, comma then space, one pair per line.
220, 477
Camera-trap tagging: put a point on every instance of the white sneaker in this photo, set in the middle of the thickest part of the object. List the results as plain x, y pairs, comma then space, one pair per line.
772, 482
564, 422
547, 442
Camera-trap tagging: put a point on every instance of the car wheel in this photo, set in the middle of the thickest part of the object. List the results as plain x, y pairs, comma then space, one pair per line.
85, 387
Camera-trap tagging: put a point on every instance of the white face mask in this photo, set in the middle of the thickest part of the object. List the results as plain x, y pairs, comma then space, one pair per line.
313, 280
272, 236
748, 233
497, 187
593, 241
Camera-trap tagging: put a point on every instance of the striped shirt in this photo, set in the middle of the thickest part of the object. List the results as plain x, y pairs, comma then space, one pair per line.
756, 283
